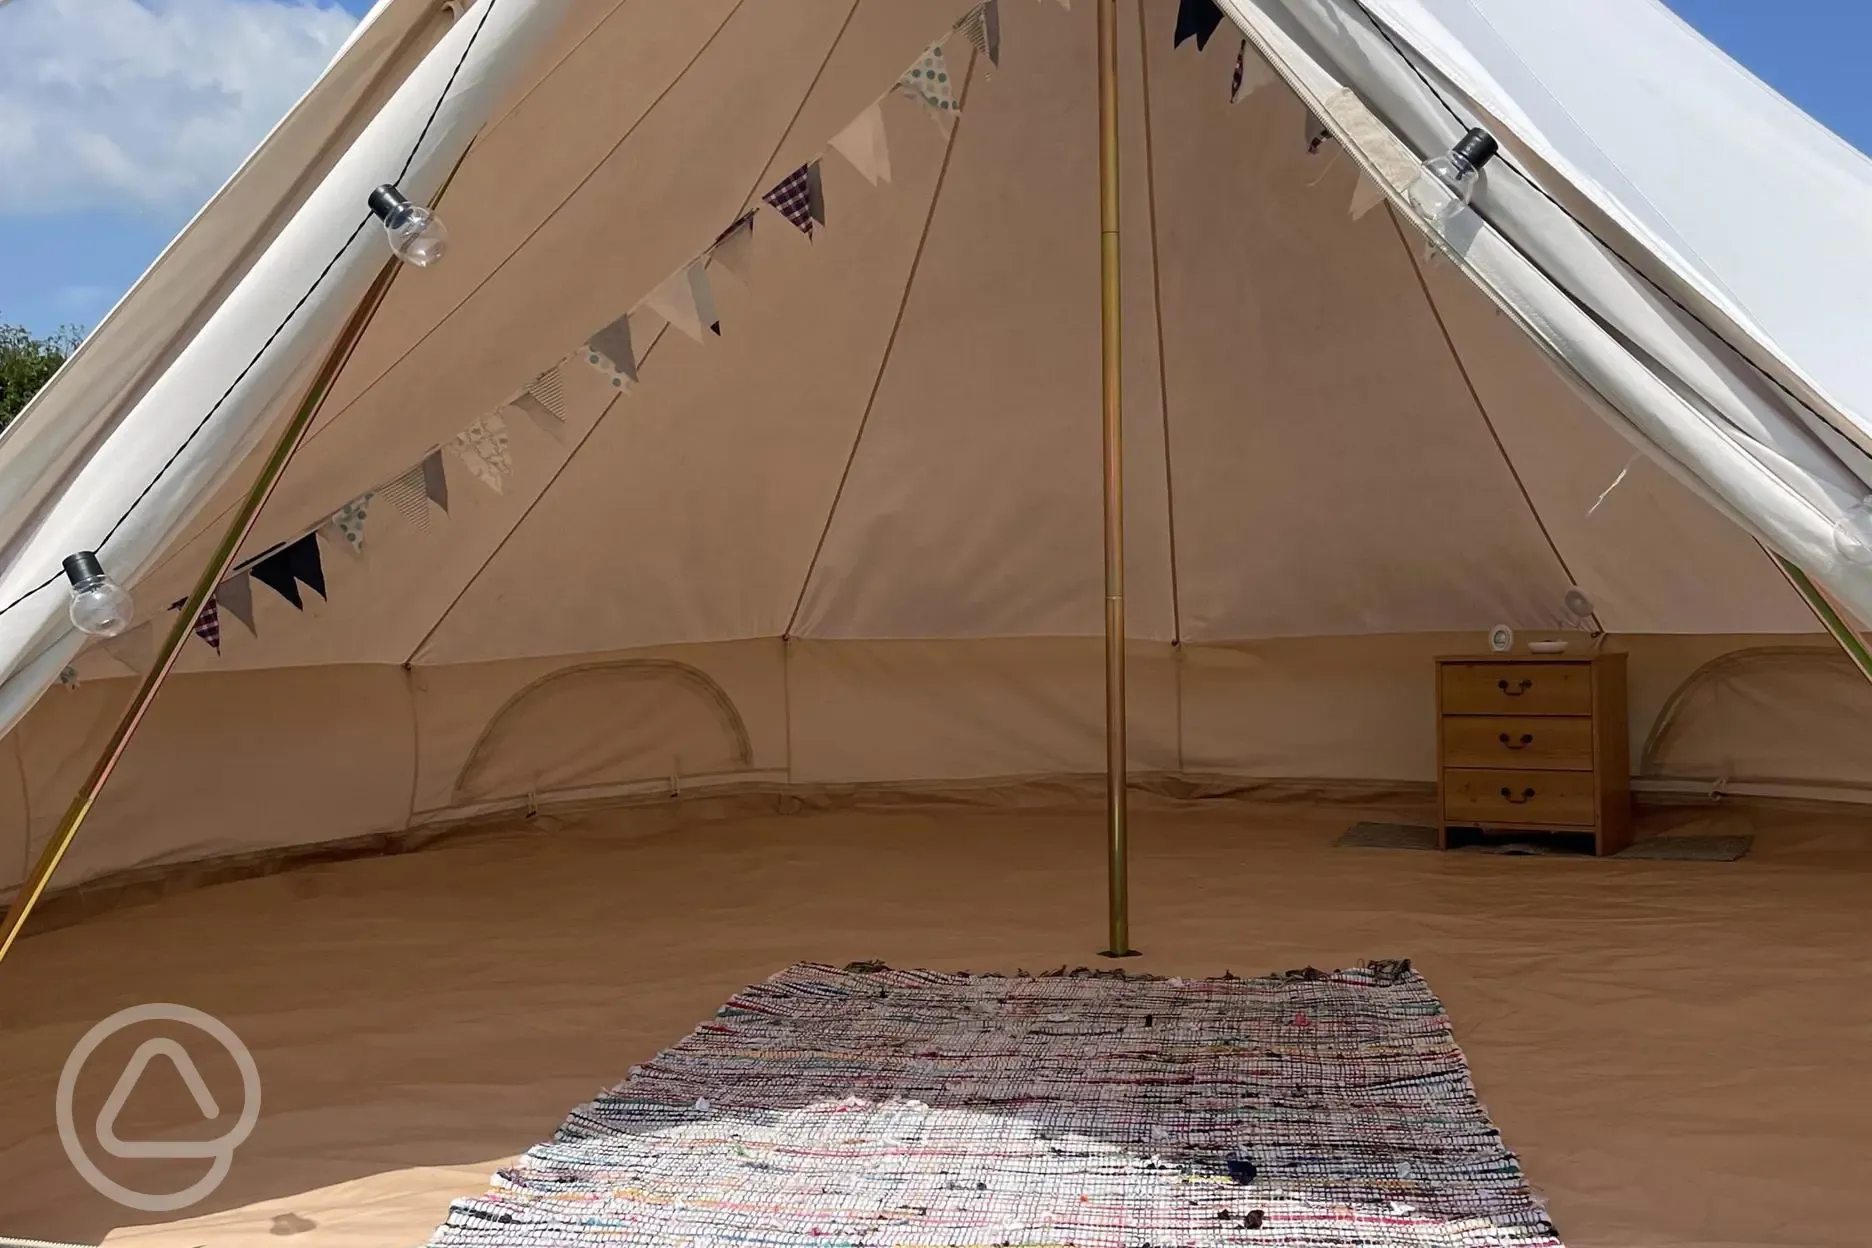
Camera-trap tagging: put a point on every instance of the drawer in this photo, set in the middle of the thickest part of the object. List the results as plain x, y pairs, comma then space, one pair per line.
1517, 741
1517, 688
1540, 798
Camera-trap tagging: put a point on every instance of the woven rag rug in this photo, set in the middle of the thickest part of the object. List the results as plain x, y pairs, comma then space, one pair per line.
878, 1108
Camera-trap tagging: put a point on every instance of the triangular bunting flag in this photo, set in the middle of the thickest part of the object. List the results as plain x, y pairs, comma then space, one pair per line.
134, 649
982, 26
928, 81
208, 624
275, 572
407, 495
482, 448
815, 193
349, 519
549, 389
536, 411
862, 143
734, 246
685, 301
1317, 132
235, 596
303, 558
435, 480
282, 570
1251, 74
793, 197
1366, 195
1198, 18
609, 351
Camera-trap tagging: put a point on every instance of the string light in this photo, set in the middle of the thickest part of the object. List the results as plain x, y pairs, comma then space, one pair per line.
1448, 182
416, 234
99, 605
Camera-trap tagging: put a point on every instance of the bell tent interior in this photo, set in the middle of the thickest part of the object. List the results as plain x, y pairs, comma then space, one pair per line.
704, 592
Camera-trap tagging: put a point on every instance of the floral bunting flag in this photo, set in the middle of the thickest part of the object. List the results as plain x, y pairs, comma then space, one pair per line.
482, 447
863, 144
928, 82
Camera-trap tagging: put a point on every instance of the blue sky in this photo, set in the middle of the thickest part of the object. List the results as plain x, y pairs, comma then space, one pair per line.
119, 117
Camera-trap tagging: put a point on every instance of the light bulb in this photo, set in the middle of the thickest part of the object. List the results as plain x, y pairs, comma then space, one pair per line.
416, 235
1852, 533
99, 605
1446, 185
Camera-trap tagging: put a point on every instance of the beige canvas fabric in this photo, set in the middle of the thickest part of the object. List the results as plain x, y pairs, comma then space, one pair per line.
865, 519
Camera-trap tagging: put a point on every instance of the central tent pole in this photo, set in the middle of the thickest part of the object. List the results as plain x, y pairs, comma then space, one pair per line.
1109, 344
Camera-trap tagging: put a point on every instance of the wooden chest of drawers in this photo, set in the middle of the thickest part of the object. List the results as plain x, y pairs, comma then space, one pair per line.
1535, 742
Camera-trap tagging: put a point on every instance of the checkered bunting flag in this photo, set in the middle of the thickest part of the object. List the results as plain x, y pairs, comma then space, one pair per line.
798, 198
207, 624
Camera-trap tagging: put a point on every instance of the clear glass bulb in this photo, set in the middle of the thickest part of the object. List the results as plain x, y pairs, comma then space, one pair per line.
1448, 182
416, 235
1852, 533
1444, 188
99, 605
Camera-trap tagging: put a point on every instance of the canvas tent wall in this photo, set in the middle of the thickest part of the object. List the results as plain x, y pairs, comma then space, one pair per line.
855, 538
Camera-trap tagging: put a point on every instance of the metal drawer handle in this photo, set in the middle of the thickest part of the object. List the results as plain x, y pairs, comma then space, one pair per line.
1527, 795
1524, 682
1527, 739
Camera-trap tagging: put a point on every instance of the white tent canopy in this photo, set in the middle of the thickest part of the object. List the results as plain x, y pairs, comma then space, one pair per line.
854, 539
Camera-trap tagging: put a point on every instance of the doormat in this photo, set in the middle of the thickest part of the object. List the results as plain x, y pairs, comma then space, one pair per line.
878, 1108
1654, 848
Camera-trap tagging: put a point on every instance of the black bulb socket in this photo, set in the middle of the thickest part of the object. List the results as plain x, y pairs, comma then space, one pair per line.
83, 569
1476, 148
386, 199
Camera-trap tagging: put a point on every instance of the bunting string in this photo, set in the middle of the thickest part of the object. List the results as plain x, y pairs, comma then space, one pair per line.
685, 301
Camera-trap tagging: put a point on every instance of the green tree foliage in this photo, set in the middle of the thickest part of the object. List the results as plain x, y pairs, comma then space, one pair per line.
28, 362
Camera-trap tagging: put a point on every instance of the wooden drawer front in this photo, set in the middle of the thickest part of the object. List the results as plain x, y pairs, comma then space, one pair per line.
1515, 797
1517, 741
1517, 688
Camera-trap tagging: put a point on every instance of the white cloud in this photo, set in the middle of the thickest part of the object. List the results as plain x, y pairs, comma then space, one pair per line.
147, 107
